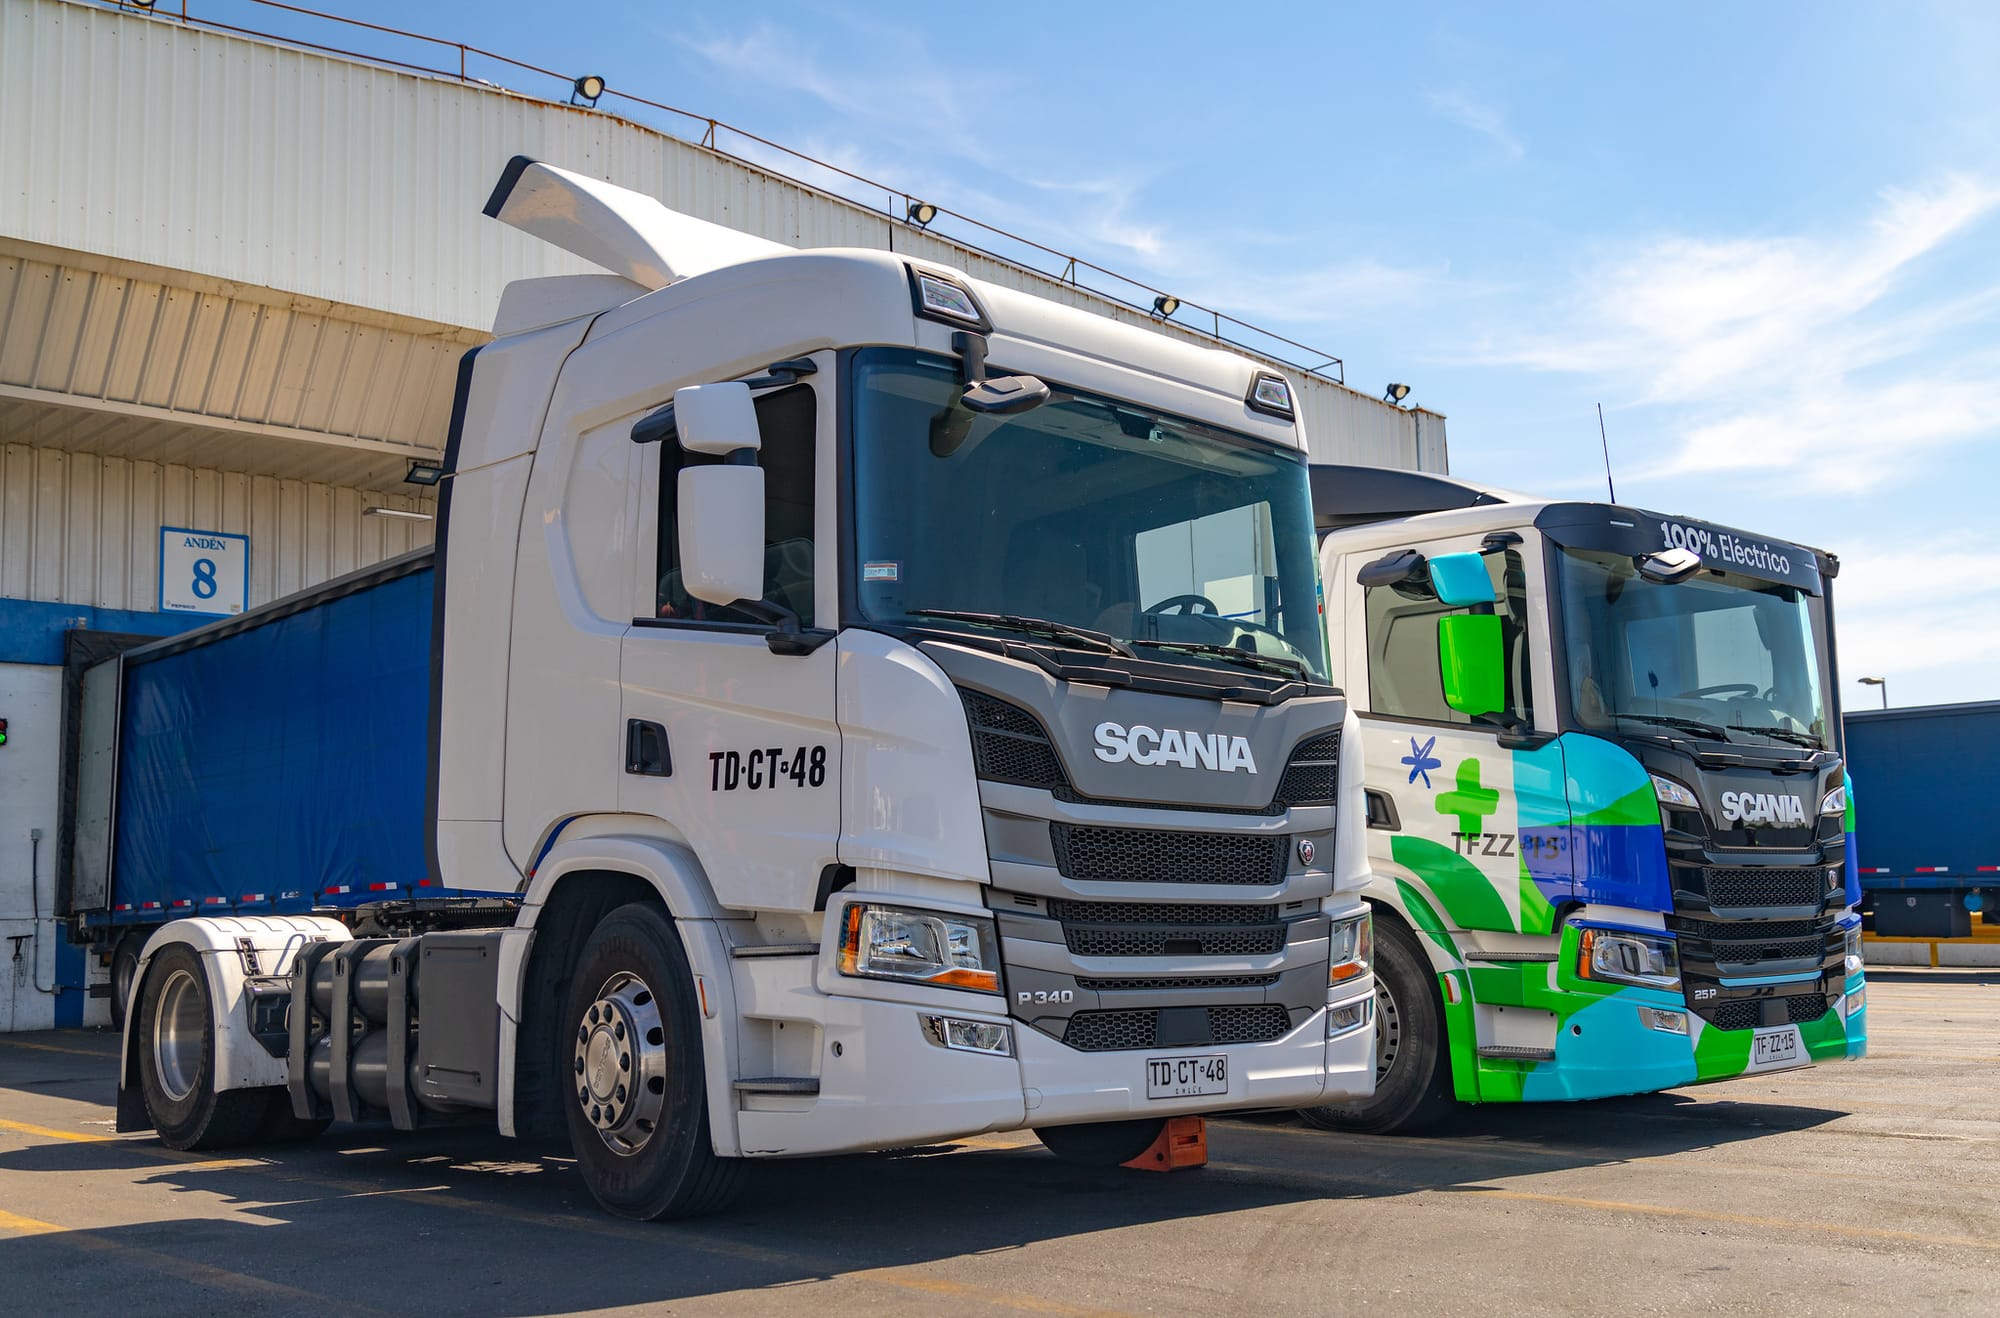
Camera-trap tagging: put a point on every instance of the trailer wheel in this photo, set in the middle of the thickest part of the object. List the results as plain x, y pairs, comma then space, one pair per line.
1412, 1065
634, 1090
1101, 1143
124, 973
176, 1034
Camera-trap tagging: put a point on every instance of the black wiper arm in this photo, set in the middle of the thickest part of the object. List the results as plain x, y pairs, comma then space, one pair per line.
1805, 739
1055, 631
1270, 662
1695, 726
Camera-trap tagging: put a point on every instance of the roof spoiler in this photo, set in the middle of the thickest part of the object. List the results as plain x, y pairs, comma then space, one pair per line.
628, 233
1353, 496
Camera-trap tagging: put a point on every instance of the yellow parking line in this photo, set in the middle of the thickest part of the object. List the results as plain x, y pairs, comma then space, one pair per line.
25, 1226
46, 1132
58, 1048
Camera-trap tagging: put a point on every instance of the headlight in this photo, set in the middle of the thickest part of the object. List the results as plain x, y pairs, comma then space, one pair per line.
1619, 956
1835, 801
1672, 793
1854, 950
950, 951
1353, 948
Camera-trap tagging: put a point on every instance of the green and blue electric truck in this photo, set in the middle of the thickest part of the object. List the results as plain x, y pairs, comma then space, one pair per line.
1607, 800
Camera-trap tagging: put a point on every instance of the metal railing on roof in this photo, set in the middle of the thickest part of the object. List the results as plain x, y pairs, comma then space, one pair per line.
463, 61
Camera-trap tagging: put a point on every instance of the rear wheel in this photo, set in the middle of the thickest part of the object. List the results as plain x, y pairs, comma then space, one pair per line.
176, 1041
1412, 1064
124, 974
1102, 1143
635, 1096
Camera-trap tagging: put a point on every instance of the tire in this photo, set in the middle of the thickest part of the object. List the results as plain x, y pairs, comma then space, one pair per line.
176, 1041
1101, 1143
1412, 1064
124, 973
634, 1091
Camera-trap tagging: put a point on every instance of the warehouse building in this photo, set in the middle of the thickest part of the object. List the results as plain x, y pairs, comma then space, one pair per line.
236, 277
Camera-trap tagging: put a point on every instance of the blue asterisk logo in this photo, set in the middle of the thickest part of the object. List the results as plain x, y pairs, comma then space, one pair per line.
1421, 761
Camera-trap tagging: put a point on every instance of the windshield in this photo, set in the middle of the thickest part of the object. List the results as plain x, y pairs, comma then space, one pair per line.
1184, 543
1718, 655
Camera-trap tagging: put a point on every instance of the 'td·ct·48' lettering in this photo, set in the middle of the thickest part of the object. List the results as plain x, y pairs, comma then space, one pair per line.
772, 766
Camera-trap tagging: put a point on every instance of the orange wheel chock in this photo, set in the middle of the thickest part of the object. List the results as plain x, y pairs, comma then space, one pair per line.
1182, 1143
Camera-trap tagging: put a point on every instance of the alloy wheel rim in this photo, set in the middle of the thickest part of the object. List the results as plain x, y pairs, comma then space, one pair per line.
180, 1032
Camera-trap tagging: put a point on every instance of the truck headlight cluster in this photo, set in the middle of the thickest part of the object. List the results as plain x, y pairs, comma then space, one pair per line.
1835, 801
1673, 794
1623, 956
921, 947
1853, 948
1352, 948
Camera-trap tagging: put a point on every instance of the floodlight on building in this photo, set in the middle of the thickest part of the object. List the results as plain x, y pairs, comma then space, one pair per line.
585, 90
920, 213
1165, 305
1396, 393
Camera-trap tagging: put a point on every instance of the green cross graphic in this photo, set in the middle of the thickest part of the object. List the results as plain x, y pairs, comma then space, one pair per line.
1470, 802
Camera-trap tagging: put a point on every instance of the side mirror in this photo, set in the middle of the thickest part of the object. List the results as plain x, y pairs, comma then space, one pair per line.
1460, 580
1471, 662
1398, 565
721, 506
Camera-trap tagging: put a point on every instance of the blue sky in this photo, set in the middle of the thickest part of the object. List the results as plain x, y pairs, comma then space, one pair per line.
1762, 236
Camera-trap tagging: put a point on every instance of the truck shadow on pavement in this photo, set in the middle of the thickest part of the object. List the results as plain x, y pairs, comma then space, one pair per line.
458, 1220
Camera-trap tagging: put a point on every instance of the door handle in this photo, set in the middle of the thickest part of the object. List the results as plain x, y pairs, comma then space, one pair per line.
646, 749
1382, 811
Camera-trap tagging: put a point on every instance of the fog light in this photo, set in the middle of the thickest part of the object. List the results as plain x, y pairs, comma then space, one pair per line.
1666, 1022
970, 1036
1857, 1000
1346, 1019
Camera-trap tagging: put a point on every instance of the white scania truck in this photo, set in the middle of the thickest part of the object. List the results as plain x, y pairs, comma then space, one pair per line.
848, 705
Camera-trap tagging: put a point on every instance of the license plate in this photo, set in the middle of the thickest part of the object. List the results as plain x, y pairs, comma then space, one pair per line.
1774, 1048
1186, 1077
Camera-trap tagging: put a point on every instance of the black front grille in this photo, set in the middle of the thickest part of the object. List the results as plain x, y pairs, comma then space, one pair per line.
1313, 776
1221, 913
1010, 745
1169, 928
1725, 930
1748, 1013
1147, 855
1745, 1014
1109, 1031
1105, 985
1773, 886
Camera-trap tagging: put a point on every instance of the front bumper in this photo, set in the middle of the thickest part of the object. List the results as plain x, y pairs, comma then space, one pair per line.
889, 1086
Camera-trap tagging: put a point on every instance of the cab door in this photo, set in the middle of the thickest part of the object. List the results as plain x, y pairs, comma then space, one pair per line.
1467, 814
730, 739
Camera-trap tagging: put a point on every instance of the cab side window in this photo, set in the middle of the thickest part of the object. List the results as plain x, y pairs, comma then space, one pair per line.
1403, 676
785, 425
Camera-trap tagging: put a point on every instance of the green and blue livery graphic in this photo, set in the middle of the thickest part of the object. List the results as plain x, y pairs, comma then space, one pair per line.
1537, 883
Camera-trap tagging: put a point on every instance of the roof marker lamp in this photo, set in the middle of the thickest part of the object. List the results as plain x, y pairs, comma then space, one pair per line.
1624, 956
585, 91
935, 297
1165, 305
1670, 566
1395, 394
1271, 395
920, 213
919, 947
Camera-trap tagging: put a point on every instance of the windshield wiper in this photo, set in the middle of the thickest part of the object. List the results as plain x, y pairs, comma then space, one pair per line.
1269, 662
1695, 726
1082, 637
1805, 739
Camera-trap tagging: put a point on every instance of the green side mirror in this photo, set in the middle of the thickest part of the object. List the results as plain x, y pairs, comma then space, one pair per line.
1471, 663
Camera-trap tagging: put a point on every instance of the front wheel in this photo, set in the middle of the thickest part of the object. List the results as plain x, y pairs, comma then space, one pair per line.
1412, 1063
635, 1096
176, 1041
1101, 1143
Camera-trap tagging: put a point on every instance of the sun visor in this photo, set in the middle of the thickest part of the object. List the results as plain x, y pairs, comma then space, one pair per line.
628, 233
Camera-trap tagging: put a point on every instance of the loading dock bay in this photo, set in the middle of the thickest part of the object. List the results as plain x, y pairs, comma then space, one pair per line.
1845, 1189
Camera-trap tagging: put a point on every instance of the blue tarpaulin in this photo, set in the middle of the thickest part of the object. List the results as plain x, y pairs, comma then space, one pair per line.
286, 761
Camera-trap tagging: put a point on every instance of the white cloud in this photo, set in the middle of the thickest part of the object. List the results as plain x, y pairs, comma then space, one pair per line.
1793, 352
1483, 119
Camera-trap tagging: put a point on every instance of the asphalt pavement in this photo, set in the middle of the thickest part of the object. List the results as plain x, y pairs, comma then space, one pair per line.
1869, 1187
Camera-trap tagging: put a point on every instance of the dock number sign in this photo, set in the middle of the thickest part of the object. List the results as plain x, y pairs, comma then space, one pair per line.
203, 571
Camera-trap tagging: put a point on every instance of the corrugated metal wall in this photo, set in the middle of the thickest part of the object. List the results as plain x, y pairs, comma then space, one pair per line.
363, 186
76, 528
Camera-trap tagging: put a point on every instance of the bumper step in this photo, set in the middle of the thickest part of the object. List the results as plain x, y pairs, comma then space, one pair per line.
1500, 1054
778, 1084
